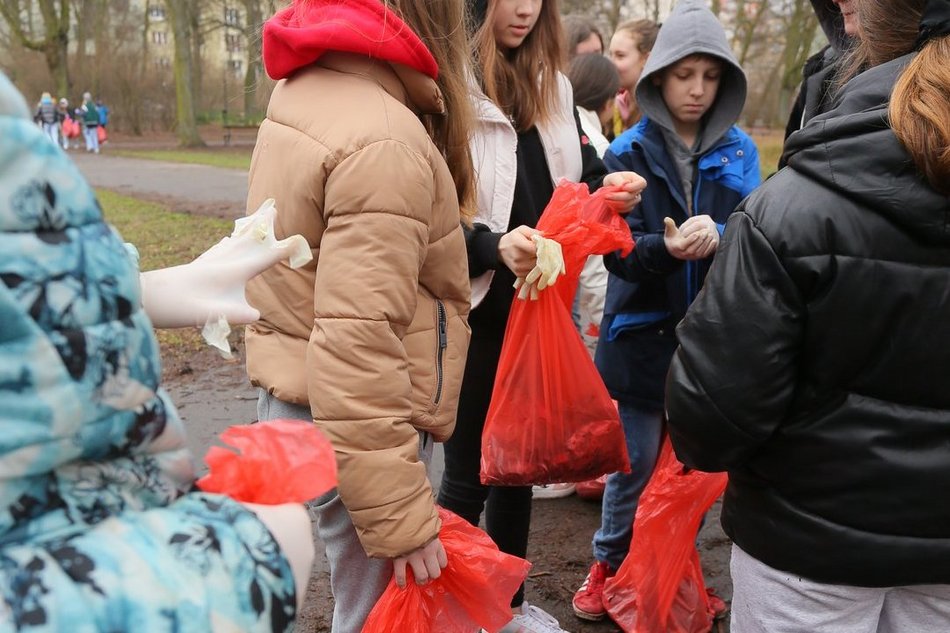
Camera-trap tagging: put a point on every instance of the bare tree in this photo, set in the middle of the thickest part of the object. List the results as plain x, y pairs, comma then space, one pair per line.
53, 42
749, 19
801, 25
179, 13
255, 69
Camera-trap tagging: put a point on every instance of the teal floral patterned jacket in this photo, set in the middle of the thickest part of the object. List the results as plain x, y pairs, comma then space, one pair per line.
100, 529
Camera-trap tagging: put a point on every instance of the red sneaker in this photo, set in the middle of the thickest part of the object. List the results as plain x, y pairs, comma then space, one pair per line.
592, 489
588, 602
717, 605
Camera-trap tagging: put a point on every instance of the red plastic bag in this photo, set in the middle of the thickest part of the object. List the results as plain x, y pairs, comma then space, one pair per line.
280, 461
474, 590
101, 134
659, 588
70, 128
551, 419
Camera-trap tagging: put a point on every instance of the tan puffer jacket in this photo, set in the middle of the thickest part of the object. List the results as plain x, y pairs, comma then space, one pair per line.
373, 333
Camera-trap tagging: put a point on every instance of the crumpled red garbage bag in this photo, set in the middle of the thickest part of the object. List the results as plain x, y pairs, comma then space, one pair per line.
474, 590
279, 461
659, 588
551, 419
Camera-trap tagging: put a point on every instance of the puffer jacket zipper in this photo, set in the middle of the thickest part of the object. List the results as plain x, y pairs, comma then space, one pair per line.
443, 343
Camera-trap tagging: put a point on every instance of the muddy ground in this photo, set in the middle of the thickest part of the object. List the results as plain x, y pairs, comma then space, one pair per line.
212, 393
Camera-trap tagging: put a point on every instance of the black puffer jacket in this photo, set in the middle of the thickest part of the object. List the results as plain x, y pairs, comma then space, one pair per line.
815, 364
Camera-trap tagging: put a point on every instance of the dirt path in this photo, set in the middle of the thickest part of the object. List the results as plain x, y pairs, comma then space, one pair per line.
214, 394
198, 189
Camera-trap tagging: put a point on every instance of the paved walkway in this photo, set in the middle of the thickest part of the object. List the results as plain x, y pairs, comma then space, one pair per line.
184, 187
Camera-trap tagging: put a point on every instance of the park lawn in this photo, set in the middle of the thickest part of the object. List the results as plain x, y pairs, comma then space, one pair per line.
228, 159
770, 149
164, 238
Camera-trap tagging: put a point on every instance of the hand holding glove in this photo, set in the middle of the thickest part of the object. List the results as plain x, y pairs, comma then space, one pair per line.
517, 251
548, 267
209, 291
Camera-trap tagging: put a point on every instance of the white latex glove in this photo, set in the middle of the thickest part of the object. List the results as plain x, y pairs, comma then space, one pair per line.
209, 291
693, 246
548, 267
707, 225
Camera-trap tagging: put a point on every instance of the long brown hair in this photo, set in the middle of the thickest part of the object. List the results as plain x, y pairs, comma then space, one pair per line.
522, 82
595, 80
643, 32
578, 29
920, 112
919, 109
886, 31
440, 24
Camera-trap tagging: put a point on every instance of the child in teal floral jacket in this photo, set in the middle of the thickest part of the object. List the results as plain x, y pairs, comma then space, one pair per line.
99, 527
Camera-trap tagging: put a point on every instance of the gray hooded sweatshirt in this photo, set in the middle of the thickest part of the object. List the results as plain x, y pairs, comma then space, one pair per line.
692, 29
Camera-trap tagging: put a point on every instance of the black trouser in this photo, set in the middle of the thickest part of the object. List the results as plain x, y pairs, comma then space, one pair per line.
508, 509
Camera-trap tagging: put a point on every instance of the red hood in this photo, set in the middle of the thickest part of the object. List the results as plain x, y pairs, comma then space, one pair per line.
300, 34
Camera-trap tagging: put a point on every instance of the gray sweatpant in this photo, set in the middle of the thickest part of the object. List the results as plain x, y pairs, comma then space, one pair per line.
766, 600
356, 580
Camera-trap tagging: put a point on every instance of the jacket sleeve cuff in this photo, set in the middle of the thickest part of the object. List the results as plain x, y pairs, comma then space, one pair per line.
653, 256
482, 247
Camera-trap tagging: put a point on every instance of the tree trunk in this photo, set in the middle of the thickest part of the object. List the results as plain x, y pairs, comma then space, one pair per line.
800, 33
55, 41
197, 40
747, 33
178, 14
255, 70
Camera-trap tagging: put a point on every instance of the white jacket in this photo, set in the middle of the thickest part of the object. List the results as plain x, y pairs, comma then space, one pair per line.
494, 146
592, 285
591, 126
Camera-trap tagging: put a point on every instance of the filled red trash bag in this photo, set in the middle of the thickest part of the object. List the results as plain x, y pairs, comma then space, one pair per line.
279, 461
551, 419
659, 588
474, 590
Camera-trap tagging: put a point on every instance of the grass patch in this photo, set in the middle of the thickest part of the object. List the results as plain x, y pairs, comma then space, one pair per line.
227, 159
164, 238
770, 150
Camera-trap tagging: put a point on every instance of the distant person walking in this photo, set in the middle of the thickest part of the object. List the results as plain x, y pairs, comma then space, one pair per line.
46, 117
66, 122
103, 111
90, 119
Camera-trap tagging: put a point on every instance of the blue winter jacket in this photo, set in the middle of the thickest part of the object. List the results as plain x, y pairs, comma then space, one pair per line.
649, 291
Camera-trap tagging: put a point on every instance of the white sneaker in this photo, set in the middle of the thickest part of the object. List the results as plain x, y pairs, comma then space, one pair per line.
532, 620
552, 491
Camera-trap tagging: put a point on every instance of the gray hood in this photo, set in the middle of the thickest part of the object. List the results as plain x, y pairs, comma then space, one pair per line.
829, 16
691, 29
